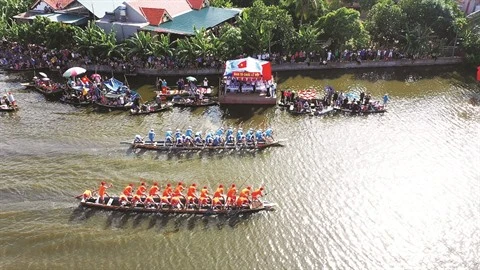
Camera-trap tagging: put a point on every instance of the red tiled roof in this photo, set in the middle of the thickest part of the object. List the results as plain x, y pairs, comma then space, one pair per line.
55, 4
153, 15
195, 4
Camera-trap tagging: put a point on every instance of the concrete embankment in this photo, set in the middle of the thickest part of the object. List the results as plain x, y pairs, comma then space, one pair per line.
441, 61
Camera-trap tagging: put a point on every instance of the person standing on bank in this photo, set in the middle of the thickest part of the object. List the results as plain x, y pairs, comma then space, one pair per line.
386, 98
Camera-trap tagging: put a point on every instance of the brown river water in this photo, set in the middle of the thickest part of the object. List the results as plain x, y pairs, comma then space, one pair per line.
394, 191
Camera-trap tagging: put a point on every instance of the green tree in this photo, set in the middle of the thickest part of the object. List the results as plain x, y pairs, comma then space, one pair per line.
343, 27
385, 23
307, 38
163, 47
141, 45
94, 42
305, 10
60, 35
221, 3
232, 42
266, 28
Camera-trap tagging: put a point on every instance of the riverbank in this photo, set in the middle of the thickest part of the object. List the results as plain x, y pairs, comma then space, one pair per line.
442, 61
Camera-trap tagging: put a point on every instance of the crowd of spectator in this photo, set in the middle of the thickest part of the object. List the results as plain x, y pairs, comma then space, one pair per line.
19, 57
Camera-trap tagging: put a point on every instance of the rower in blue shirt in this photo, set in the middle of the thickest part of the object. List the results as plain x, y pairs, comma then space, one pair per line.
209, 138
217, 140
259, 135
198, 138
230, 138
151, 135
239, 134
189, 132
178, 134
219, 132
229, 132
249, 137
168, 136
269, 133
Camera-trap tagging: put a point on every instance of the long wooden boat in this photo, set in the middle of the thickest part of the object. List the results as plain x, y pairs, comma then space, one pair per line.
360, 112
152, 109
107, 107
162, 146
114, 204
75, 102
50, 93
5, 108
200, 103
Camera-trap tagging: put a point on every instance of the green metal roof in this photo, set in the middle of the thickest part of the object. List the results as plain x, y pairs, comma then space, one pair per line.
66, 18
204, 18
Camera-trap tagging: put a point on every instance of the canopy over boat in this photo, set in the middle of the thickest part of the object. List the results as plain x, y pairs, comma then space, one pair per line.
247, 69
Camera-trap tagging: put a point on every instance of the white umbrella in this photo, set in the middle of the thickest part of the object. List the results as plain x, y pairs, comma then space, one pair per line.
43, 74
74, 71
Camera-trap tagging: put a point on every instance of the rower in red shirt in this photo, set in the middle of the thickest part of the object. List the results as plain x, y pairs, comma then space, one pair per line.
245, 192
192, 194
257, 193
231, 195
203, 200
141, 189
168, 191
102, 191
219, 192
128, 190
154, 190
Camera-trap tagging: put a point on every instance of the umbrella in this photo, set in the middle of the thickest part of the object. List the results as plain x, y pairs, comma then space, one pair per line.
353, 95
45, 79
74, 71
43, 74
96, 75
191, 79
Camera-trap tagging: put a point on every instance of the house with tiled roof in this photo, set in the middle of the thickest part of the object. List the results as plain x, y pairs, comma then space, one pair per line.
76, 12
178, 17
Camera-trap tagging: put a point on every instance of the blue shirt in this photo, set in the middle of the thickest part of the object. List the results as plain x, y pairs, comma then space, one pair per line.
219, 132
268, 132
168, 134
189, 133
151, 135
229, 132
178, 134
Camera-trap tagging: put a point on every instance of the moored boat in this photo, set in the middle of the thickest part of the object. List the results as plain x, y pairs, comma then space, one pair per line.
163, 146
151, 108
114, 204
6, 108
191, 102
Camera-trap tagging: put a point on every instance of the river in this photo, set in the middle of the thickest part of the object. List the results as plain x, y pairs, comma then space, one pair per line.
398, 190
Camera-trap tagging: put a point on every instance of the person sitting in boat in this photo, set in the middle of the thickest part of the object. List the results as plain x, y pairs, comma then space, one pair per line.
168, 136
192, 194
141, 189
259, 136
178, 134
154, 190
178, 190
306, 106
230, 139
218, 192
217, 140
167, 192
138, 139
269, 134
217, 203
204, 198
12, 100
176, 202
219, 132
102, 191
128, 190
136, 199
187, 141
229, 132
240, 135
123, 199
198, 138
257, 193
179, 141
245, 192
242, 202
87, 194
149, 202
164, 201
250, 137
151, 135
189, 132
6, 101
231, 195
209, 138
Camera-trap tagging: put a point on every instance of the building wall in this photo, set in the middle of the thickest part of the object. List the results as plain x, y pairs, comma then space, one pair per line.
122, 30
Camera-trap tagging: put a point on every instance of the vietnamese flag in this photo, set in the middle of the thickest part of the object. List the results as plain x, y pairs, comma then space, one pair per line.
242, 64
